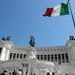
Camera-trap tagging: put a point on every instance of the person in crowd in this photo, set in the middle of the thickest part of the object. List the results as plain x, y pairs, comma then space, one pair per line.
3, 73
14, 73
19, 72
10, 73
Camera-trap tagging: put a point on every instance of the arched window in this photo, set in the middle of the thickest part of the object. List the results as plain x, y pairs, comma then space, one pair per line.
41, 57
67, 59
44, 57
48, 57
52, 57
24, 56
11, 55
21, 56
37, 56
55, 57
0, 50
63, 60
17, 55
14, 55
59, 59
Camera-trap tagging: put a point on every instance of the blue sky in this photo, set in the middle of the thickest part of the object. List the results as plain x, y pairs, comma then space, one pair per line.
22, 18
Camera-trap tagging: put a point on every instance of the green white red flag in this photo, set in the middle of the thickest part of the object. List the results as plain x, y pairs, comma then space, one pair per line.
61, 9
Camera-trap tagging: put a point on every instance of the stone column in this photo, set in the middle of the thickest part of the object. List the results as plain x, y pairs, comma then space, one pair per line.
24, 69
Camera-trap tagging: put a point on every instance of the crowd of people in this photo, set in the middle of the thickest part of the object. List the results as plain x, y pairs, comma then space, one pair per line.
19, 72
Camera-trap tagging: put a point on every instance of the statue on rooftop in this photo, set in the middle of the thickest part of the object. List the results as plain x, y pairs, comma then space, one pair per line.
3, 38
32, 41
71, 38
6, 38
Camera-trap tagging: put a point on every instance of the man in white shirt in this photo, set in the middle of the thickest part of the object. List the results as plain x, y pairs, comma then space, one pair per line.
19, 72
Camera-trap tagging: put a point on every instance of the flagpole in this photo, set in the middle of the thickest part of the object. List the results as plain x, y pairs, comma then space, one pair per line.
71, 13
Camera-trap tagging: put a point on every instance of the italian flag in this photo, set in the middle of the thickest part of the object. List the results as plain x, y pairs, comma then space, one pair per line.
61, 9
